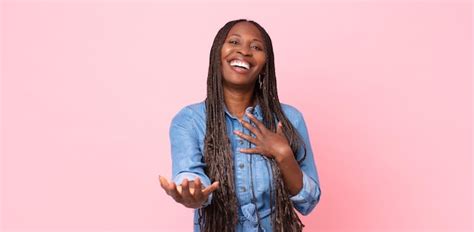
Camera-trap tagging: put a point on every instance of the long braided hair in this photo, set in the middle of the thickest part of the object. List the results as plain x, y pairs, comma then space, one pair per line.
222, 213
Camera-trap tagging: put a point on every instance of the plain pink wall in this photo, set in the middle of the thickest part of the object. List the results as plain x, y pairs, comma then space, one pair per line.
88, 90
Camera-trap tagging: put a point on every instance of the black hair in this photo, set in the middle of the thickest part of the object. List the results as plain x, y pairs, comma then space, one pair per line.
222, 213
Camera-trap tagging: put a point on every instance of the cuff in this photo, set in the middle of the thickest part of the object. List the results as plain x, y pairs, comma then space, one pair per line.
178, 179
304, 195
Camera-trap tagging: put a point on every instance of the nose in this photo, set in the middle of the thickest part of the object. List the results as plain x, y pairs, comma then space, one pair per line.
245, 51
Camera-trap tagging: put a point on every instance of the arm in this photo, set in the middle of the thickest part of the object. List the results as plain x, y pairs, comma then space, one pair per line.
187, 164
300, 179
309, 195
290, 171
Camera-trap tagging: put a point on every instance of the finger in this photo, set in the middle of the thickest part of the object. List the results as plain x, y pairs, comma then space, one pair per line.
251, 128
185, 190
247, 137
211, 188
254, 150
250, 150
257, 122
197, 189
164, 183
280, 128
173, 192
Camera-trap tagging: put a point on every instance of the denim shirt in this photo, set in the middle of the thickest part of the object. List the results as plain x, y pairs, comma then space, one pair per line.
187, 133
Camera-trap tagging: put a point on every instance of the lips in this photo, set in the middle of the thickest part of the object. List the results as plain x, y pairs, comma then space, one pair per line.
240, 70
239, 65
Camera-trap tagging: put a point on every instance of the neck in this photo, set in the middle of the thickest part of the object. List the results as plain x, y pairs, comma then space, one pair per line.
237, 101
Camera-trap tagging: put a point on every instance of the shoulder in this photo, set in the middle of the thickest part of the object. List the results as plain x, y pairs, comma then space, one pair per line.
189, 112
292, 113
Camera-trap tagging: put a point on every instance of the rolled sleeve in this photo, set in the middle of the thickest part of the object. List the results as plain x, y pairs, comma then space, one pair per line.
309, 195
307, 198
186, 154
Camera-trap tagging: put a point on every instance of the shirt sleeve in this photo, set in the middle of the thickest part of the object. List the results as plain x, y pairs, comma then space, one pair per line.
308, 197
186, 155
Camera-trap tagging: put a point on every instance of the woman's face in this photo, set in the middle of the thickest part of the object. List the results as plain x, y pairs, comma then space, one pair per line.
243, 55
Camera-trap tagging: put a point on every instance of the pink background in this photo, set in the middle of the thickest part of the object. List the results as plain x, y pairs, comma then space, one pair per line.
88, 89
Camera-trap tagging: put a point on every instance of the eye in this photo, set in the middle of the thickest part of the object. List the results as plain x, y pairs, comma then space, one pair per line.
233, 42
257, 47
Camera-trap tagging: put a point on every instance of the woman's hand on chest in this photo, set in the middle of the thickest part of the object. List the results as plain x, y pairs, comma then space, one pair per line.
267, 143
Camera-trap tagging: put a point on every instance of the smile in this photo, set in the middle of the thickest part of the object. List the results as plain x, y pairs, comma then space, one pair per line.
240, 66
239, 63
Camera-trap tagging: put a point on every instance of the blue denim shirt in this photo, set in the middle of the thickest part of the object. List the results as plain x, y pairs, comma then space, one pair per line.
187, 132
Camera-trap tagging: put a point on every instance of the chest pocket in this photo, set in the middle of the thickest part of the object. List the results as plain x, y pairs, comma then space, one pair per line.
263, 174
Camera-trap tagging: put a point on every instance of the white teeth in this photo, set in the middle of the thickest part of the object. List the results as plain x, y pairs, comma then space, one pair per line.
240, 63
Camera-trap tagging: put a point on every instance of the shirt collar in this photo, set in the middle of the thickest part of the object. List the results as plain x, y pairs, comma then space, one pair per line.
257, 111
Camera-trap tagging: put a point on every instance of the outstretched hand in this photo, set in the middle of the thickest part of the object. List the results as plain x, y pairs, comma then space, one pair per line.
190, 193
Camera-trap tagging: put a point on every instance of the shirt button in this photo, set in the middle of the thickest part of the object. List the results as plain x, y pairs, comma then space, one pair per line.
243, 189
241, 142
241, 165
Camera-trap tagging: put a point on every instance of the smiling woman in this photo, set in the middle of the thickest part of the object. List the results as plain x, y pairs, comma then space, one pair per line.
241, 158
241, 68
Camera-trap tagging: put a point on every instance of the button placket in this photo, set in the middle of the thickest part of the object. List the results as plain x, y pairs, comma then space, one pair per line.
241, 184
242, 129
238, 139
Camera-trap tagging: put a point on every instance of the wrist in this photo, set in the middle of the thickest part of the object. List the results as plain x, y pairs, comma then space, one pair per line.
285, 154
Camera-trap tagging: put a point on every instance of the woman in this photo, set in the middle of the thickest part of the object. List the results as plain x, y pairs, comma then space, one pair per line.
253, 149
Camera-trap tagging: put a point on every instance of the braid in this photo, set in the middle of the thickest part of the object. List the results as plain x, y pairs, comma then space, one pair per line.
222, 213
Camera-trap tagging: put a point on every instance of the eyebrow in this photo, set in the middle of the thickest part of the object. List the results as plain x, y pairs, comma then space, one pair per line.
252, 40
